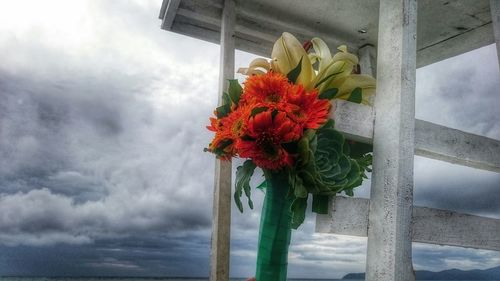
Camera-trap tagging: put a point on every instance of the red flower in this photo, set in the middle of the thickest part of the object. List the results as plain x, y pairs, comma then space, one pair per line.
306, 108
267, 88
267, 131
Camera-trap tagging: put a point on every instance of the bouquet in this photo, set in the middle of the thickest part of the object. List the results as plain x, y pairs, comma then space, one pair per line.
280, 121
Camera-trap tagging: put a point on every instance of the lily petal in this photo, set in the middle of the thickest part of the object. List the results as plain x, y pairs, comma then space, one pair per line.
322, 52
347, 84
286, 55
257, 66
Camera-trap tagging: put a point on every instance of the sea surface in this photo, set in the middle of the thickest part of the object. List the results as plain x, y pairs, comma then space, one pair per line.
159, 279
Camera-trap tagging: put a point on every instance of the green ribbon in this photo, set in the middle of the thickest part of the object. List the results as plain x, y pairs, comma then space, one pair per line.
275, 229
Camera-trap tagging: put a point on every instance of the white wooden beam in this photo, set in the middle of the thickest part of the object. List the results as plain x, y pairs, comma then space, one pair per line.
495, 19
221, 225
368, 60
349, 216
354, 120
169, 11
389, 233
457, 147
434, 141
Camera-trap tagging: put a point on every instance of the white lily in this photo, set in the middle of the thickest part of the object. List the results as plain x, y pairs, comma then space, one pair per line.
336, 73
256, 67
286, 55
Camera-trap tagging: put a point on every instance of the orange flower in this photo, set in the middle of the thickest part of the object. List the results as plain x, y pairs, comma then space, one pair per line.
268, 88
228, 131
306, 108
236, 122
267, 131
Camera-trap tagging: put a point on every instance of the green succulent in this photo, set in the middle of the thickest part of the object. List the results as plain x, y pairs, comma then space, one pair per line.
328, 165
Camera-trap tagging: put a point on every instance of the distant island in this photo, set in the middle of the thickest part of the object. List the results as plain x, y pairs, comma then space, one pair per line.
450, 274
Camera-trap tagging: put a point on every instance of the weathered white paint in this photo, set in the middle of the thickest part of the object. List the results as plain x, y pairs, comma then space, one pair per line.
368, 60
219, 267
450, 228
170, 11
349, 216
431, 140
454, 146
346, 216
445, 29
354, 120
389, 232
495, 19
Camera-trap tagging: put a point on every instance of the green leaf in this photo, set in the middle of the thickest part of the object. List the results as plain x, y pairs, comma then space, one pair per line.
223, 110
243, 175
329, 94
358, 149
299, 189
349, 192
356, 95
329, 124
299, 207
304, 152
226, 99
262, 186
320, 204
327, 77
294, 73
257, 110
234, 90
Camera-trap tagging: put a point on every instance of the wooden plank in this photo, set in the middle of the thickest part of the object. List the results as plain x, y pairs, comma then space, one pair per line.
495, 19
221, 224
444, 227
454, 46
389, 255
354, 120
169, 11
446, 28
367, 60
346, 216
434, 141
349, 216
457, 147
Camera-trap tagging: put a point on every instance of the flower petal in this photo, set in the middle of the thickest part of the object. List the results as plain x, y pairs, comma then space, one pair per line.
286, 55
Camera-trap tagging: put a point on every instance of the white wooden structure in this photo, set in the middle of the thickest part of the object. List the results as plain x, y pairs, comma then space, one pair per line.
390, 221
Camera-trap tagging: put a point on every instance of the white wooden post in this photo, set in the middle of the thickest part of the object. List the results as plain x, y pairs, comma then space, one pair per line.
221, 224
367, 60
495, 19
389, 233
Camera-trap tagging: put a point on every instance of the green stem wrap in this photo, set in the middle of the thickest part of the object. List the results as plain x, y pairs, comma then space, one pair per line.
275, 230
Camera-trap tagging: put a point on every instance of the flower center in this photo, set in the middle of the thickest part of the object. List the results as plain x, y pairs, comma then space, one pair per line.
268, 146
273, 97
238, 124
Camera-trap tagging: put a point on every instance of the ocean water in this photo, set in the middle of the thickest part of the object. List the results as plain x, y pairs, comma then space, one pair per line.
161, 279
139, 279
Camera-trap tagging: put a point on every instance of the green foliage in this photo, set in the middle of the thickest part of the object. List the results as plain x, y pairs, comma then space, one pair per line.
234, 90
223, 111
356, 95
294, 73
243, 175
299, 207
232, 96
326, 167
329, 93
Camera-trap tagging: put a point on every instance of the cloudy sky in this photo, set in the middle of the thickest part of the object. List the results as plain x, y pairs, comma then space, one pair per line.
102, 127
